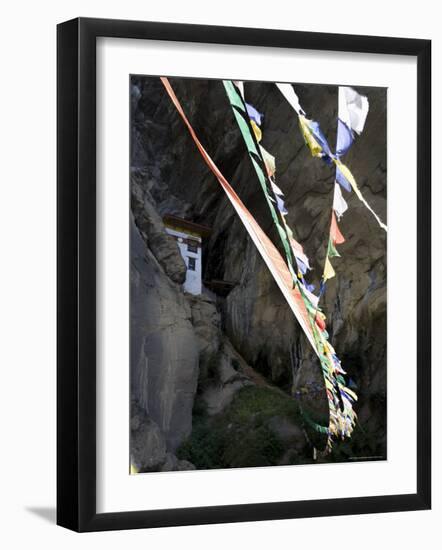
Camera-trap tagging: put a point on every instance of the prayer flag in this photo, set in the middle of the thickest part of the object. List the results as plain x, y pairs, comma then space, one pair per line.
289, 93
352, 108
281, 205
342, 180
331, 250
319, 320
320, 138
344, 138
240, 85
254, 114
349, 178
352, 113
309, 138
269, 161
276, 189
335, 235
329, 272
256, 130
339, 204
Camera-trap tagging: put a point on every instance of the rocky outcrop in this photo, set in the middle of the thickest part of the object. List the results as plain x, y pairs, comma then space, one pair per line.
148, 445
177, 346
150, 225
200, 354
222, 369
164, 354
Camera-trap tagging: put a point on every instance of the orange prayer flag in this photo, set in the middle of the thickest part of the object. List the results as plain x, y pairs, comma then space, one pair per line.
335, 235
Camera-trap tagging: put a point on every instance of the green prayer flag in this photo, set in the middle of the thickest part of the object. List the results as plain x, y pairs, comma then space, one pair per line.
331, 250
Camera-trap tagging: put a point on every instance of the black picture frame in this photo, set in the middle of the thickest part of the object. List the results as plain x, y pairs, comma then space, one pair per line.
76, 274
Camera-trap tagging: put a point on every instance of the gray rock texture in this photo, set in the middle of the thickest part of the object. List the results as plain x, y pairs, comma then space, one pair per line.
148, 446
164, 354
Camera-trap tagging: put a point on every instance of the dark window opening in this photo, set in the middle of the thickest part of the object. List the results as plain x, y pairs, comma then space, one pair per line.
191, 264
192, 247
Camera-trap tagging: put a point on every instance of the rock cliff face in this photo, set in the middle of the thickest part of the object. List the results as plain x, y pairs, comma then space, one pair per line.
218, 378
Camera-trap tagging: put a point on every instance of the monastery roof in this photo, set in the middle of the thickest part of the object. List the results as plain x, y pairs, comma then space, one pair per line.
188, 226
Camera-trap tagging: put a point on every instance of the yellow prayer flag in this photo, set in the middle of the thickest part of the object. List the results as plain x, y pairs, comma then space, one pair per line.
313, 145
349, 177
329, 272
256, 130
351, 393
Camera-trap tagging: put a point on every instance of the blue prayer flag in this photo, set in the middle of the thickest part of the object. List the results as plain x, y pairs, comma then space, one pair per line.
320, 138
301, 265
341, 179
254, 114
281, 205
345, 139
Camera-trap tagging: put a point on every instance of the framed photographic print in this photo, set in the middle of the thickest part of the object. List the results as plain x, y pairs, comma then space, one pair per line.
231, 205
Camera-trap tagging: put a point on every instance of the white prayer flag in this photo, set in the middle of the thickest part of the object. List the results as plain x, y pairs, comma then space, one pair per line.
352, 108
339, 204
289, 93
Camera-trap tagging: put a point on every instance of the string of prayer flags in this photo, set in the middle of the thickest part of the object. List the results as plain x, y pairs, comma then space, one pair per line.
269, 163
266, 248
319, 147
252, 134
341, 422
352, 113
342, 417
345, 174
340, 398
273, 193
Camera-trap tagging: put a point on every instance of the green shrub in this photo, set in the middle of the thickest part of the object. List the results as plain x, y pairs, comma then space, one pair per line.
240, 436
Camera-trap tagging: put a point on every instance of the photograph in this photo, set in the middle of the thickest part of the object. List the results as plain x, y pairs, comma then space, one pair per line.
258, 273
220, 333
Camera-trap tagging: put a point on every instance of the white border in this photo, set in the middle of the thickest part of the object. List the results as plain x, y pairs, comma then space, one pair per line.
116, 489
